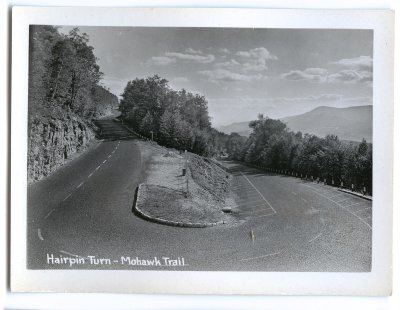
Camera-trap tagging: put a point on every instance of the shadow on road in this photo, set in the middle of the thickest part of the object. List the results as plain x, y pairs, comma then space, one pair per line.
110, 130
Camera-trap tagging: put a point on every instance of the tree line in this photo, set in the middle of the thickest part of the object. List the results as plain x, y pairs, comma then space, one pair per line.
179, 119
272, 145
176, 119
64, 75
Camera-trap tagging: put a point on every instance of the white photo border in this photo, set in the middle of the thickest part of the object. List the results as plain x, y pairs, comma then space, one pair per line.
374, 283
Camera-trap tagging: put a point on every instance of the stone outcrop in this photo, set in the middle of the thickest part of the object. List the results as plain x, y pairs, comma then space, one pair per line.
54, 141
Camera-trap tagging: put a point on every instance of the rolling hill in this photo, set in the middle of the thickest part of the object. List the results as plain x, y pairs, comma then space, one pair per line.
353, 123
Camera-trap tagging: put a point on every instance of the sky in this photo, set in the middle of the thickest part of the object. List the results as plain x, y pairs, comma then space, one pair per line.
242, 72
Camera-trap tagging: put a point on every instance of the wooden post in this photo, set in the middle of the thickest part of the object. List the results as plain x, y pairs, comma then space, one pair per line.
187, 176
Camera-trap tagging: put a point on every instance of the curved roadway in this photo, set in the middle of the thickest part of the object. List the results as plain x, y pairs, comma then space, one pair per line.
283, 223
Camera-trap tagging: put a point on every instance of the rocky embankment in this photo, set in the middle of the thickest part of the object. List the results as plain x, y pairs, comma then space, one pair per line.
53, 141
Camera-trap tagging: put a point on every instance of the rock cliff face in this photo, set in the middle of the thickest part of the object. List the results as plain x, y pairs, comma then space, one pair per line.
53, 141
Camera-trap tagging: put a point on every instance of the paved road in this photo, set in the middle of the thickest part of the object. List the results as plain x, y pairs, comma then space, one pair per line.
284, 224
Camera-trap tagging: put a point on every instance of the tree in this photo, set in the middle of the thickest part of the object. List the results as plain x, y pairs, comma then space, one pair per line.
64, 74
84, 71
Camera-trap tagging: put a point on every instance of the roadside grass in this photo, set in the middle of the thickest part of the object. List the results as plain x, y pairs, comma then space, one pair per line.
197, 197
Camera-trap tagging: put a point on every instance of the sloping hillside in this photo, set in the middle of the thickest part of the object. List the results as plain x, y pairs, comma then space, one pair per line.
353, 123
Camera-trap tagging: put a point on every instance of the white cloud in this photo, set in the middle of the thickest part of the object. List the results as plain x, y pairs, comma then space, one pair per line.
320, 75
232, 64
324, 97
245, 66
193, 51
355, 70
316, 75
172, 57
257, 53
255, 59
359, 100
350, 76
361, 63
160, 61
191, 57
222, 75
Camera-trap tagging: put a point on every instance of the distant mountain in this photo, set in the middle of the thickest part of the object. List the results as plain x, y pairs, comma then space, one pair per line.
242, 128
353, 123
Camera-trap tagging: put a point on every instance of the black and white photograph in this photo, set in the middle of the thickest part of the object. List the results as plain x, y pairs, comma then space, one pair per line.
200, 149
192, 150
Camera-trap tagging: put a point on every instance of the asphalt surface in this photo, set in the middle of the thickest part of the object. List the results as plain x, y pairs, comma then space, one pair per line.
282, 223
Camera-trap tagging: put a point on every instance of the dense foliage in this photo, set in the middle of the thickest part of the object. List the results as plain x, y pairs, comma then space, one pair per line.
64, 75
273, 146
176, 119
180, 119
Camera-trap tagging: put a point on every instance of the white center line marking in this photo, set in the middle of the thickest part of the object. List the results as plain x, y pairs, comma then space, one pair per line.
67, 197
257, 257
39, 233
79, 185
104, 161
98, 145
98, 167
258, 192
113, 152
48, 214
90, 175
109, 156
315, 238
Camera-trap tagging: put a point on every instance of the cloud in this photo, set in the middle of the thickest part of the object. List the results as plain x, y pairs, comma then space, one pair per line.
355, 70
232, 64
324, 97
320, 75
257, 53
205, 59
193, 51
224, 51
316, 75
363, 100
320, 98
350, 76
244, 66
361, 63
222, 75
160, 61
255, 59
189, 55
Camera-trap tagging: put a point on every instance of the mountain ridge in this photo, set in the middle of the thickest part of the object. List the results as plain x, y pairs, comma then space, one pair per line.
350, 123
